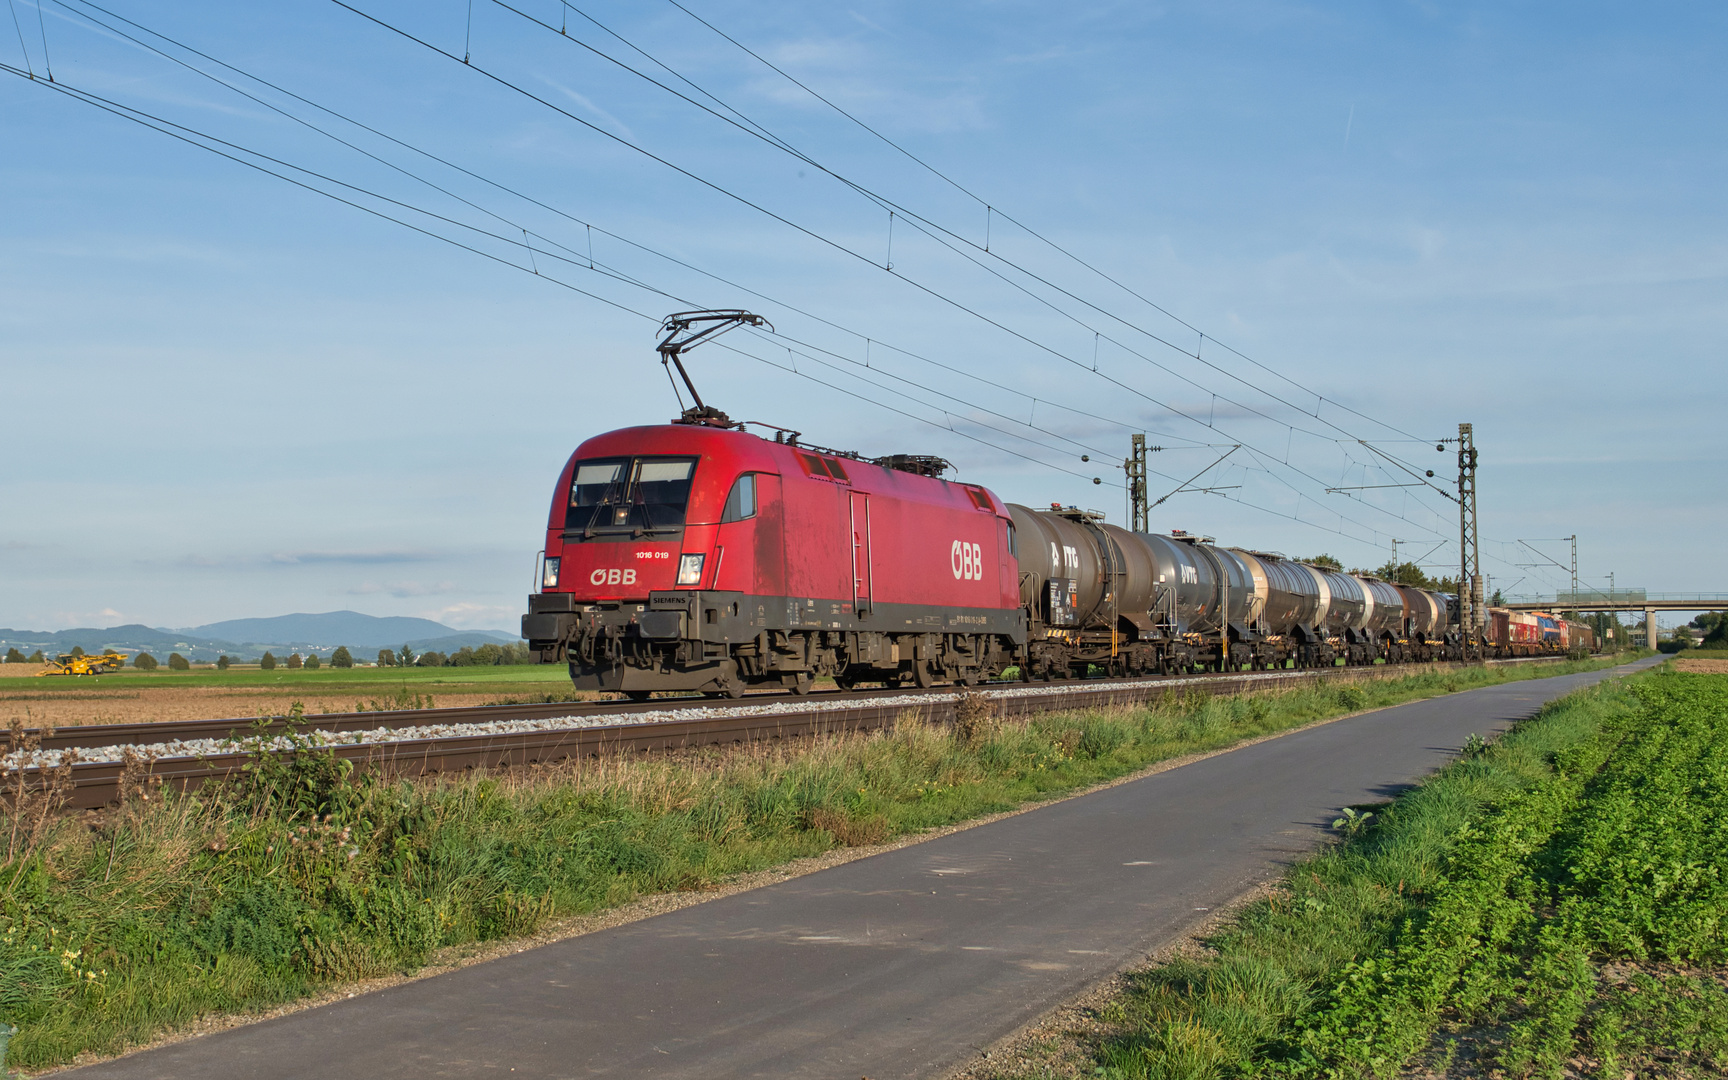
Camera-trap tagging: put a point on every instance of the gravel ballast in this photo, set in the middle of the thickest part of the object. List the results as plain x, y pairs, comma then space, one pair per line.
197, 748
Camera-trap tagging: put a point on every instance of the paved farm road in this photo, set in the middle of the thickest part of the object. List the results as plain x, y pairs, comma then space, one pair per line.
899, 965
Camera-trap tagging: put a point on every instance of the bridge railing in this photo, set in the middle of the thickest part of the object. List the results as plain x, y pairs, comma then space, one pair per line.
1585, 598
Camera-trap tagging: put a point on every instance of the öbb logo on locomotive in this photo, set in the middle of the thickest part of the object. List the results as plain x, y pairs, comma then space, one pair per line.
967, 561
761, 561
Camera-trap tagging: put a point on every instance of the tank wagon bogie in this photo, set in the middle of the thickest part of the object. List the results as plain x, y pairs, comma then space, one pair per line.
695, 556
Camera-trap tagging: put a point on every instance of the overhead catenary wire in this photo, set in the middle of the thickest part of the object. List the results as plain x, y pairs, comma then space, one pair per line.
993, 210
16, 25
836, 245
589, 227
948, 238
527, 245
233, 153
914, 219
47, 61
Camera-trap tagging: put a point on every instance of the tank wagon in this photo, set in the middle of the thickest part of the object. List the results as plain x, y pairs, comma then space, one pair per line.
696, 555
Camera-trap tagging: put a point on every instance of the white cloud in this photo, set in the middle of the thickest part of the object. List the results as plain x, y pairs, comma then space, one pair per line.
589, 107
471, 616
403, 589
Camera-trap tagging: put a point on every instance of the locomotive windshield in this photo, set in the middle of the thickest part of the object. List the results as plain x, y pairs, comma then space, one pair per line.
628, 496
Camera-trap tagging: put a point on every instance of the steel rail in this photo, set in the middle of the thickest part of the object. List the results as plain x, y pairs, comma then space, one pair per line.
97, 783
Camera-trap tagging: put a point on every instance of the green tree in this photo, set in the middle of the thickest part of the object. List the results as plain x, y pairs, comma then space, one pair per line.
488, 655
1405, 573
431, 659
463, 657
342, 658
1325, 562
144, 662
294, 662
176, 662
222, 663
312, 662
13, 656
405, 657
267, 662
386, 658
36, 657
77, 650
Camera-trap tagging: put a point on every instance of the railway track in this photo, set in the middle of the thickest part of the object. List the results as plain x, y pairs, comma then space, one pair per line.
185, 753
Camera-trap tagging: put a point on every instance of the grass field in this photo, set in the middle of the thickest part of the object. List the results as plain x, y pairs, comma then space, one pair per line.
1556, 904
240, 898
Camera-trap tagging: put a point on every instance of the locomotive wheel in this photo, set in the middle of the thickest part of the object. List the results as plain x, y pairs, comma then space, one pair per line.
802, 684
922, 675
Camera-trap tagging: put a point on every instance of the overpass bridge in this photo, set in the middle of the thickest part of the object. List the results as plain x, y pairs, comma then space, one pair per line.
1622, 600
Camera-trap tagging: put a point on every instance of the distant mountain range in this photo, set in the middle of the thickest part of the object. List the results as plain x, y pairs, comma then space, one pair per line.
248, 639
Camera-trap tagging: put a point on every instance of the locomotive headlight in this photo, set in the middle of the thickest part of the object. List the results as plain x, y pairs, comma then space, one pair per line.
549, 574
690, 569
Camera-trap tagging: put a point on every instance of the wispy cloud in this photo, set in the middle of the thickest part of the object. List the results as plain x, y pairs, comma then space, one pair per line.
352, 558
588, 106
403, 589
471, 616
104, 618
850, 74
304, 558
862, 21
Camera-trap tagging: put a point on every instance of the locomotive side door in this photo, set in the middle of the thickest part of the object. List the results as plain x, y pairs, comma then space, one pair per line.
859, 505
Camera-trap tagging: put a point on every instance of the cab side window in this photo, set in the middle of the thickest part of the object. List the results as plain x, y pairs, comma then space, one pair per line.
741, 503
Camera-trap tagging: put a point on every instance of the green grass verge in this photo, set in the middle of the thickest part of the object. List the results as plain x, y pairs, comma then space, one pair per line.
242, 897
1556, 900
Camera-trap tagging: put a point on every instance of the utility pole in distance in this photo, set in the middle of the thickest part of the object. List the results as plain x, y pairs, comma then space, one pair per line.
1135, 466
1472, 613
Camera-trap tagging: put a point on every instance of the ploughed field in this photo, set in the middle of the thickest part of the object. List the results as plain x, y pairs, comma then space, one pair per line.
206, 693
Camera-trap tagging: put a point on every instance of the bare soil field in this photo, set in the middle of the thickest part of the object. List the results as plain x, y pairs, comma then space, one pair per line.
14, 671
64, 708
1701, 667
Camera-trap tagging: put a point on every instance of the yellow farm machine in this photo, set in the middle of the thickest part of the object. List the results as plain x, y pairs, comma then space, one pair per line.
69, 664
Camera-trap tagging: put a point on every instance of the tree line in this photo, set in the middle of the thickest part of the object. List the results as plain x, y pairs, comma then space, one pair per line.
488, 655
1398, 573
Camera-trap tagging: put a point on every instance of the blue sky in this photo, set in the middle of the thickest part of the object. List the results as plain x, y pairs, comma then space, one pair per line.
223, 395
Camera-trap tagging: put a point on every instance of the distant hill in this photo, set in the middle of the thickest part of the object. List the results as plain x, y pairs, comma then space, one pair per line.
128, 639
333, 628
248, 639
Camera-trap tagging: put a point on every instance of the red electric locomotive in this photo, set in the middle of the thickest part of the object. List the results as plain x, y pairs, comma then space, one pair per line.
696, 556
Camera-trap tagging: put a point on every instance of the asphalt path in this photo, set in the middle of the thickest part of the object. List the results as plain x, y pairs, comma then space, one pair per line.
904, 964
